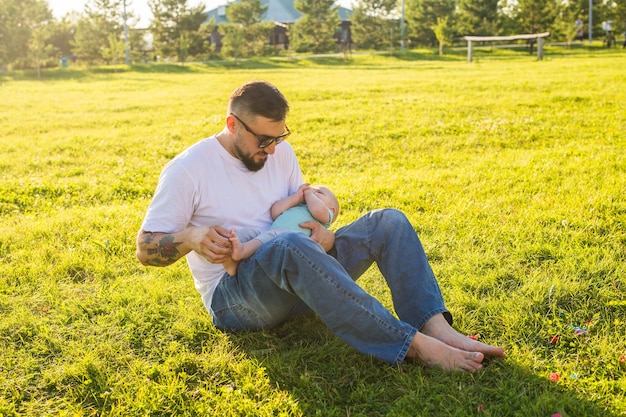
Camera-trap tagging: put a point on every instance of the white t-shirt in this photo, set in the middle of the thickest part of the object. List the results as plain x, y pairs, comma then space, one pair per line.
206, 186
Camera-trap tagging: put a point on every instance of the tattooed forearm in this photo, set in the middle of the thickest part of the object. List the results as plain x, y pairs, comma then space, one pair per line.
158, 249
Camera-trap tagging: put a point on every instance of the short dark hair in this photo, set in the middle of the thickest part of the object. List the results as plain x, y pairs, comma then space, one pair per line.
259, 98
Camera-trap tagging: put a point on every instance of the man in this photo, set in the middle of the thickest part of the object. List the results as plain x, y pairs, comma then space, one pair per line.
580, 30
230, 181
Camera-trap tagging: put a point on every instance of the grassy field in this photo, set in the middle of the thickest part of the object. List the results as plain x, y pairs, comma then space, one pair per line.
512, 171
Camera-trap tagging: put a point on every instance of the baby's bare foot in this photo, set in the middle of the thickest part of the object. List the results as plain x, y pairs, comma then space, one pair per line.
236, 247
231, 267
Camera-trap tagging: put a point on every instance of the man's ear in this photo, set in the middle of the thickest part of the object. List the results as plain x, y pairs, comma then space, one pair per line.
230, 123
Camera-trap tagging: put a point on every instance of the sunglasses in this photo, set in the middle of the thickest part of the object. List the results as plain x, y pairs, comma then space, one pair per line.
264, 140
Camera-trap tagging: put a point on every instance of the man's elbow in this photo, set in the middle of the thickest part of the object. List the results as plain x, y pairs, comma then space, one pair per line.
140, 253
142, 258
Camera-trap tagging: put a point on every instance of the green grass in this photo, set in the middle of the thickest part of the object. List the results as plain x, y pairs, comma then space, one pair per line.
512, 171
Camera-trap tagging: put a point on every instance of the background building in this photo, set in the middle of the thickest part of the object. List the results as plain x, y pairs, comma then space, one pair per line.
282, 13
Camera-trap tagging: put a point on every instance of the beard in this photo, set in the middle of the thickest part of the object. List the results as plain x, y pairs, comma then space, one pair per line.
248, 160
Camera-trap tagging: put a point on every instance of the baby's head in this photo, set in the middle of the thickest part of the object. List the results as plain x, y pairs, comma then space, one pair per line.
328, 198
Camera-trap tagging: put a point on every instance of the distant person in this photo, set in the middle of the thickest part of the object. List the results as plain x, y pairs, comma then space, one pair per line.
580, 30
231, 180
308, 204
609, 38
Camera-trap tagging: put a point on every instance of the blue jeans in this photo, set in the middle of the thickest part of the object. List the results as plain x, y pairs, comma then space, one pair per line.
292, 274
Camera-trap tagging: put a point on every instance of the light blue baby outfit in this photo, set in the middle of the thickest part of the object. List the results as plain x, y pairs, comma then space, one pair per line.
289, 220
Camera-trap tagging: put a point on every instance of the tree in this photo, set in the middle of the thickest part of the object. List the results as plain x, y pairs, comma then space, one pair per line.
577, 9
375, 24
246, 35
115, 50
566, 24
534, 16
102, 19
442, 32
479, 17
183, 46
18, 20
38, 48
61, 34
602, 10
614, 10
179, 30
138, 44
422, 17
315, 30
620, 15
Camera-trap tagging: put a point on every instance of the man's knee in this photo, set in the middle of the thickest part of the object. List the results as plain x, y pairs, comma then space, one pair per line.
389, 216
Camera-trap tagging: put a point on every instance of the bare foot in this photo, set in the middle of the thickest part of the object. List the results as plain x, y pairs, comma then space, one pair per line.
236, 246
438, 328
236, 254
434, 353
231, 266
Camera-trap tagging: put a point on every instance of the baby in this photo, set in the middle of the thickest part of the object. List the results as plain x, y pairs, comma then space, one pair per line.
309, 203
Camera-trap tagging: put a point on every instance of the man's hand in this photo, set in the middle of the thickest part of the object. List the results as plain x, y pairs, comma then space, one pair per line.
211, 242
320, 234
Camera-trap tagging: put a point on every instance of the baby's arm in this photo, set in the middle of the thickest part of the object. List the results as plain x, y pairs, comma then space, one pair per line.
316, 207
286, 203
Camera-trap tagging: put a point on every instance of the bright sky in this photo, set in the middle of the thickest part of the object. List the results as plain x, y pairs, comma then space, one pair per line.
138, 7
